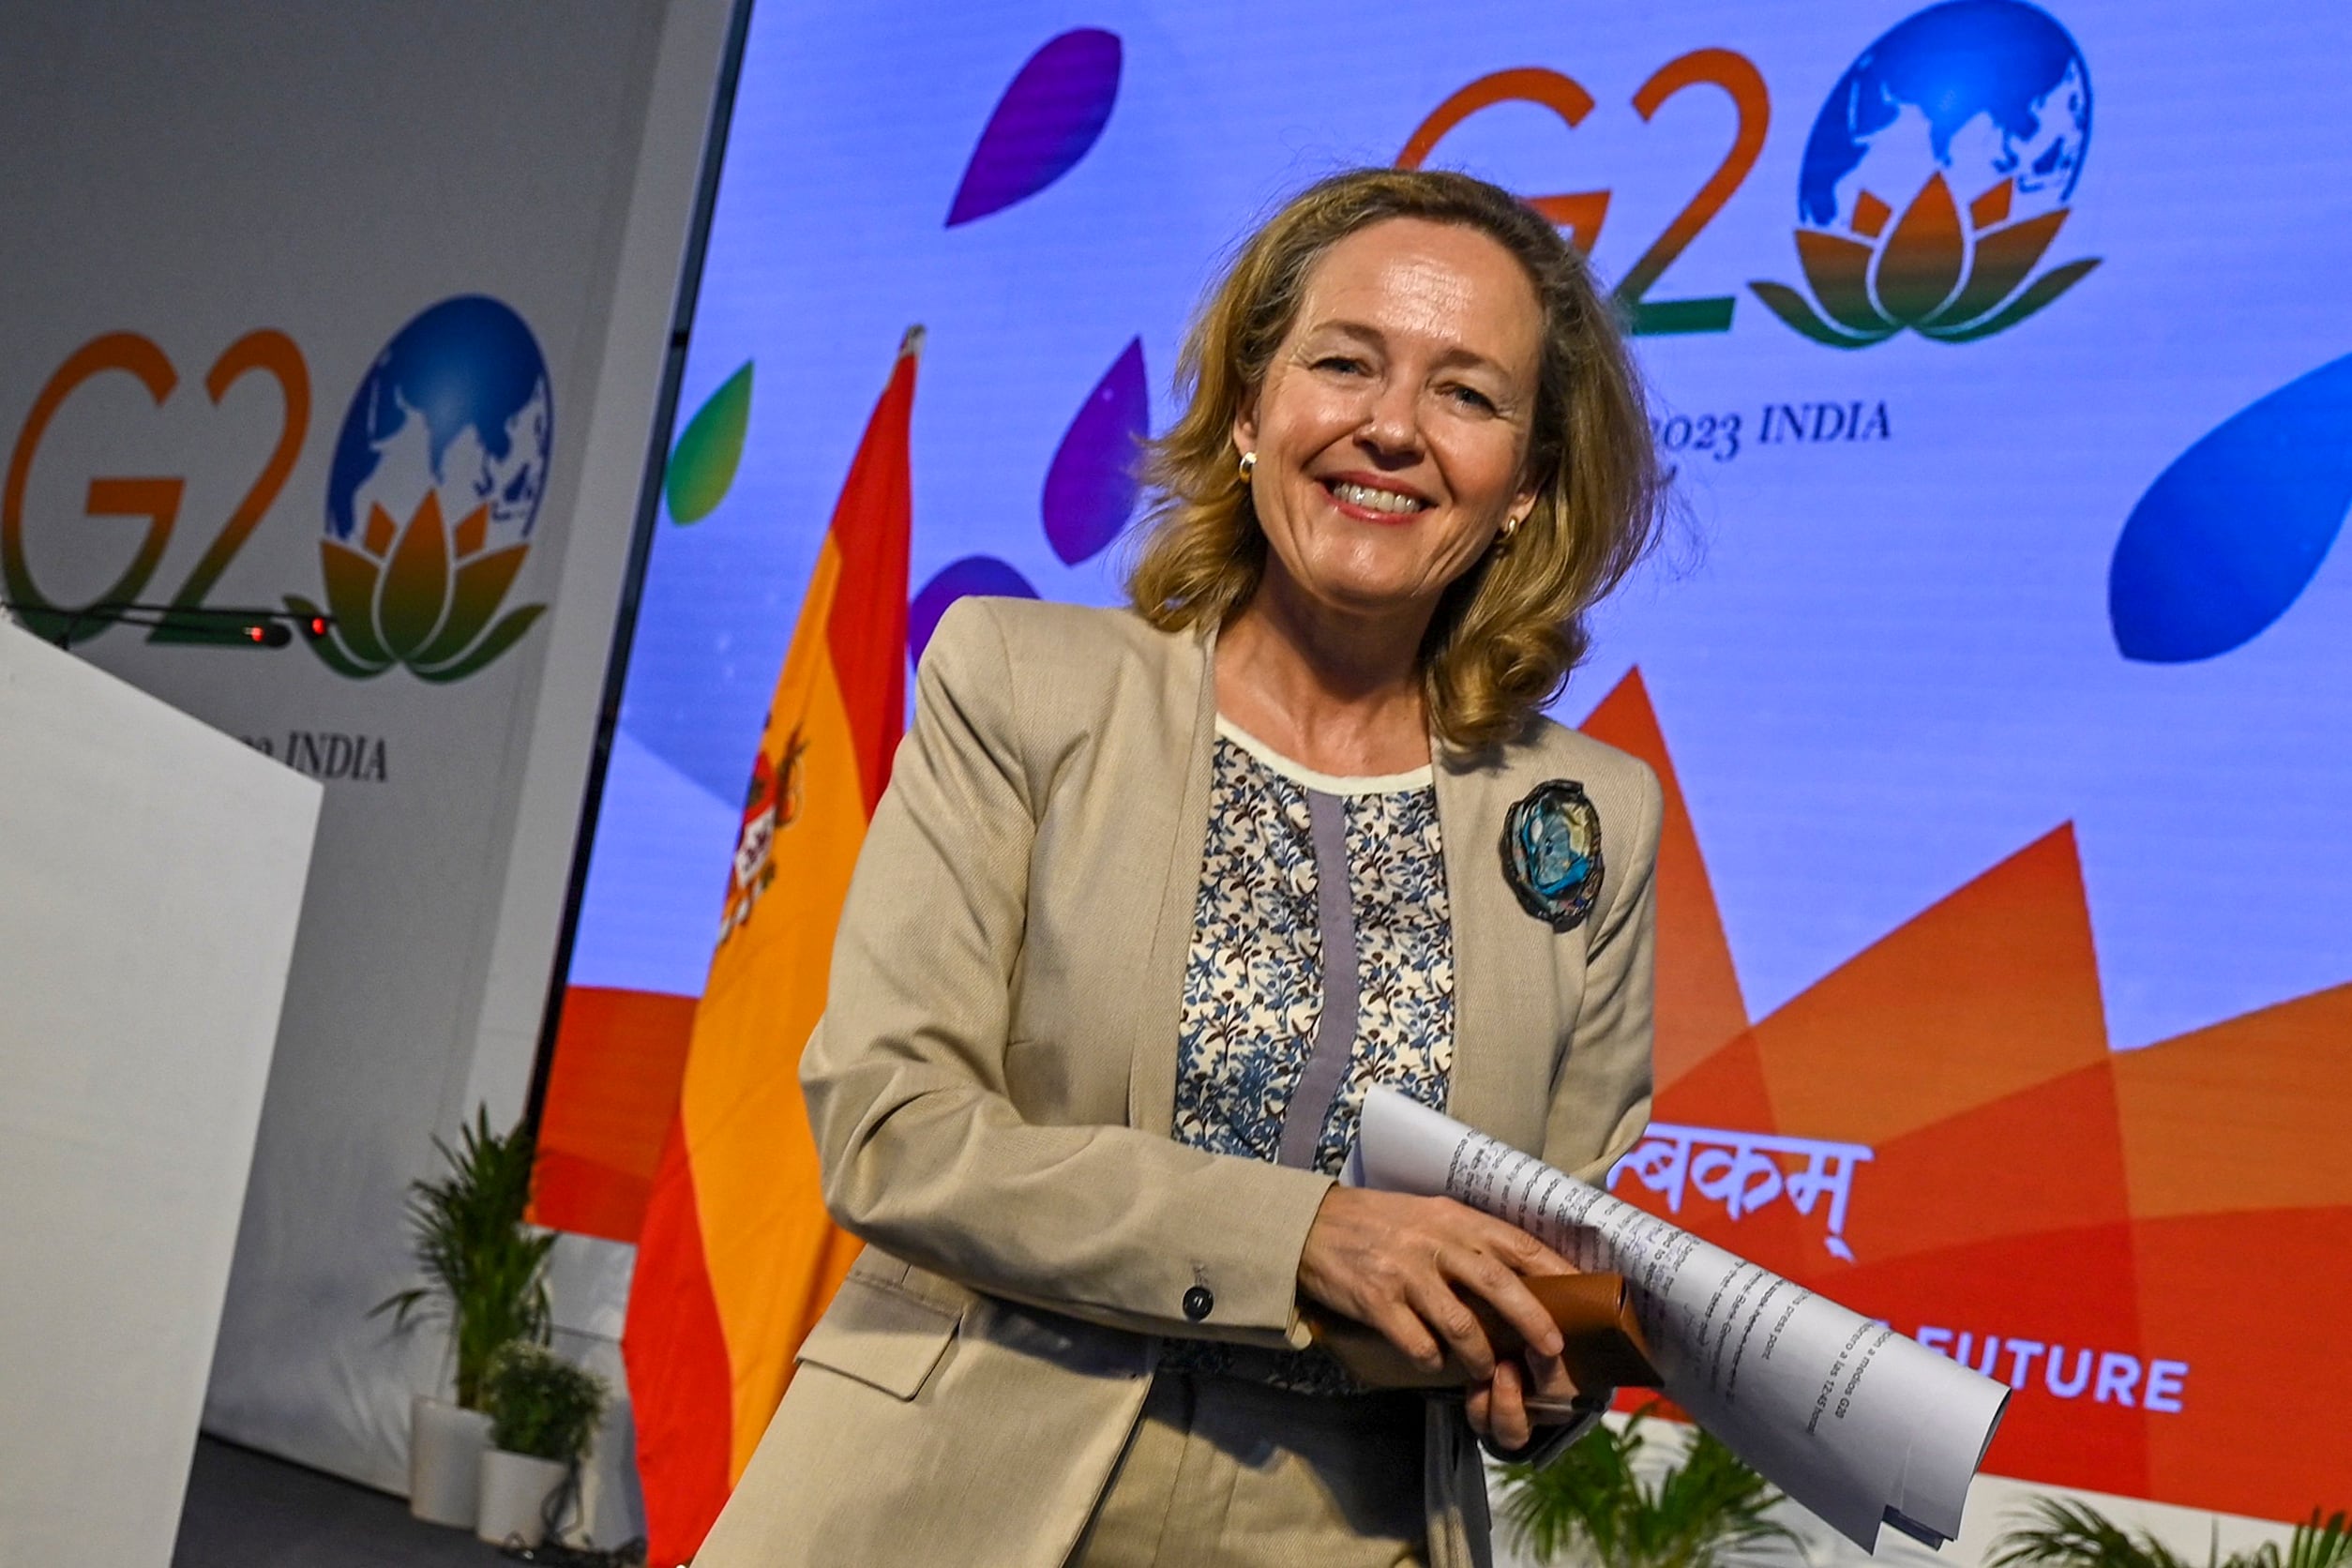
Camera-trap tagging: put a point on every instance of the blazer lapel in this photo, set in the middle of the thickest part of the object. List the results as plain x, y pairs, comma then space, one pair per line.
1506, 981
1506, 988
1188, 716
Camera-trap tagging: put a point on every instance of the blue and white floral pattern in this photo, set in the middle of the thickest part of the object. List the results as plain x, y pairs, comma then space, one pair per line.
1254, 992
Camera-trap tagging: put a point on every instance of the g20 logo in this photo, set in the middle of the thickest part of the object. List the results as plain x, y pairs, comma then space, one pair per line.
1934, 179
433, 492
152, 500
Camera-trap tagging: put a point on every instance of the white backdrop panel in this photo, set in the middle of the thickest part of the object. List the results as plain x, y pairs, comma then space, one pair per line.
151, 872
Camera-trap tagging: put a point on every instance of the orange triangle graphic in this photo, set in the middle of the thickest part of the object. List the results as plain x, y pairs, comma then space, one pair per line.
2145, 1244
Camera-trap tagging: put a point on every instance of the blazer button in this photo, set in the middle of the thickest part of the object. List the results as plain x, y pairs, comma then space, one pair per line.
1198, 1302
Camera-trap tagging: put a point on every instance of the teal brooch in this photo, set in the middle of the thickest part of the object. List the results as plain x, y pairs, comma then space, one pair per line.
1551, 853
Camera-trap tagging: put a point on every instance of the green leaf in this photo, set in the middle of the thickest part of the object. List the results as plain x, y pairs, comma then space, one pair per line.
2318, 1545
2040, 292
328, 648
1591, 1502
702, 465
1790, 306
2063, 1534
485, 1270
502, 637
541, 1405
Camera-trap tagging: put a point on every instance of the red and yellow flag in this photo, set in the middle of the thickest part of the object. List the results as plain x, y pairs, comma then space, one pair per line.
737, 1259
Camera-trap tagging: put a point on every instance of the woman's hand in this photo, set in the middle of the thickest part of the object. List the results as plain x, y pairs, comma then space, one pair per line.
1498, 1406
1399, 1263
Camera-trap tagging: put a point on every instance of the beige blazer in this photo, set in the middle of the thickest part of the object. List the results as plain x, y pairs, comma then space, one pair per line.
992, 1084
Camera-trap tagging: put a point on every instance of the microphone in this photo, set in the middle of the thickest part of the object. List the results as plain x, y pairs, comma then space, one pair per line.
204, 626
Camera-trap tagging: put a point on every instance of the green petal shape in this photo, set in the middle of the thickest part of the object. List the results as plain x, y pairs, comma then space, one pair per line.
710, 448
2044, 289
326, 647
482, 582
1839, 271
2003, 257
502, 637
1790, 306
350, 590
1921, 263
416, 588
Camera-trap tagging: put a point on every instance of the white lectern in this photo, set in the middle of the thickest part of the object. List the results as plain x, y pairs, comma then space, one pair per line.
151, 872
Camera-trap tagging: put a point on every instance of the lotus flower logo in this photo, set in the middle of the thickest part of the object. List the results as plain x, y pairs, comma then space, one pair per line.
1990, 96
1929, 272
454, 421
422, 595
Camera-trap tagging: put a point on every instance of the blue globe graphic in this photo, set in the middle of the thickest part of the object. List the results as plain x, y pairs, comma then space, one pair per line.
457, 405
1983, 90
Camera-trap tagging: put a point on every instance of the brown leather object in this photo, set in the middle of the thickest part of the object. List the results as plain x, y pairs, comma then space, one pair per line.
1604, 1344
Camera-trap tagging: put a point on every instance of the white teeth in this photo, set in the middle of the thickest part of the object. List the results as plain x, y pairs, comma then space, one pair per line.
1375, 500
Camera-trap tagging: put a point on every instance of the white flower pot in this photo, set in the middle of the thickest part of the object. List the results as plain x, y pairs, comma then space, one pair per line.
445, 1445
515, 1491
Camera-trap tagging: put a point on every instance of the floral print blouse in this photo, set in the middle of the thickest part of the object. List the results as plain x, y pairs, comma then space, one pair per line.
1274, 1057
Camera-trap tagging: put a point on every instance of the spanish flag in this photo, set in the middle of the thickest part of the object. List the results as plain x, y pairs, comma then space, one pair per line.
737, 1259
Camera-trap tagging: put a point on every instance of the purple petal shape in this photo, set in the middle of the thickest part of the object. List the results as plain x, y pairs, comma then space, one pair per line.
973, 573
1047, 119
1090, 488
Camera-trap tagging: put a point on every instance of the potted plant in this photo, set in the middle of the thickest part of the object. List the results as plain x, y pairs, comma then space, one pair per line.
544, 1412
486, 1276
1589, 1500
2062, 1534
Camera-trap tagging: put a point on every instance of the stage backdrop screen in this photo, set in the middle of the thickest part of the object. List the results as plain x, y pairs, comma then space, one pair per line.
1996, 667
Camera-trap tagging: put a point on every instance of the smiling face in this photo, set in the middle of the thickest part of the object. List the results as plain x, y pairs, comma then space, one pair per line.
1392, 426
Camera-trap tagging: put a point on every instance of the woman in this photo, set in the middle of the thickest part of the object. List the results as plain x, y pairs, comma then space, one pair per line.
1155, 896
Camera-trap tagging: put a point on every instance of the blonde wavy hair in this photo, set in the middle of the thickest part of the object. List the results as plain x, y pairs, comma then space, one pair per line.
1509, 630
